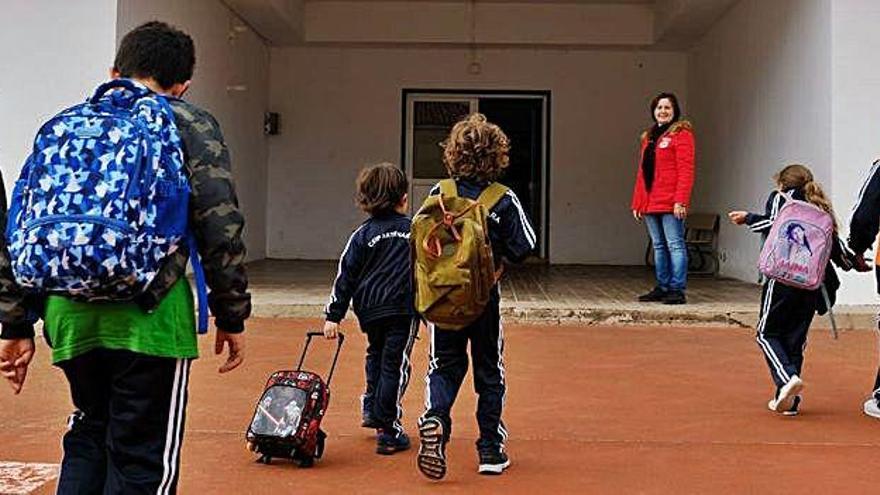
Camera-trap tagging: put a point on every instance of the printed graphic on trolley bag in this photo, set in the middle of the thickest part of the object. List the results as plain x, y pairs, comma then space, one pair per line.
287, 418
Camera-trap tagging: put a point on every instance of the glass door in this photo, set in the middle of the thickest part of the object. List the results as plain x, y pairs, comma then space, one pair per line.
429, 120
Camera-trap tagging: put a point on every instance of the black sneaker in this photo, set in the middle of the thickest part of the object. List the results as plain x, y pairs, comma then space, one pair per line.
656, 295
493, 461
793, 410
674, 297
432, 448
387, 444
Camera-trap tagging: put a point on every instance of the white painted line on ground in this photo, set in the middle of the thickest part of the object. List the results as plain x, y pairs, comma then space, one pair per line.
22, 478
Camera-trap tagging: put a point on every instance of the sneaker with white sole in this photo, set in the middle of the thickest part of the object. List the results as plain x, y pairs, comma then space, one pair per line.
785, 398
872, 408
493, 461
432, 448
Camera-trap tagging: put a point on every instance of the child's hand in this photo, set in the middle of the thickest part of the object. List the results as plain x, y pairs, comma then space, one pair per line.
235, 342
637, 215
859, 263
737, 217
15, 356
331, 329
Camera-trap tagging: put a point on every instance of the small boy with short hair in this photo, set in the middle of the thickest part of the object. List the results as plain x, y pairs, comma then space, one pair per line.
475, 155
375, 273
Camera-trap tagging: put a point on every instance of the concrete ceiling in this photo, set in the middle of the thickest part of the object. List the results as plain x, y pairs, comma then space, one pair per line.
662, 24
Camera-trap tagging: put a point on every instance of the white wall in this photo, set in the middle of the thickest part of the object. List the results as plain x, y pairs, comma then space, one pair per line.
47, 66
760, 94
341, 108
566, 23
855, 114
225, 56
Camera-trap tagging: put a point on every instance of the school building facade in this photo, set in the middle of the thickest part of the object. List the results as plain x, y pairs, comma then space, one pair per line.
765, 82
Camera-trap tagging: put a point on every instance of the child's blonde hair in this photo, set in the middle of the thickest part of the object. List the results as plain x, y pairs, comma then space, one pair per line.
476, 149
798, 176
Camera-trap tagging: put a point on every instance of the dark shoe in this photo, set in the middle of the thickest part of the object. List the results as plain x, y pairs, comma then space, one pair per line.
493, 461
674, 297
370, 422
795, 406
387, 443
656, 295
432, 448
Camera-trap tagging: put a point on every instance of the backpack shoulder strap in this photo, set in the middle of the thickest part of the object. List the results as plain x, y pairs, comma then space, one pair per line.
492, 195
448, 188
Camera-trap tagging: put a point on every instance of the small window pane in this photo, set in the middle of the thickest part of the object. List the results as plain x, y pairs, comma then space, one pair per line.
432, 121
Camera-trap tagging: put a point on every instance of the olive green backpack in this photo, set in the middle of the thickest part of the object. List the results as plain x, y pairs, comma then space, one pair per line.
454, 270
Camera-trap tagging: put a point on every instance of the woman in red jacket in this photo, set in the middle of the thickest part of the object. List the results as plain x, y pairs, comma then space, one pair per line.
662, 195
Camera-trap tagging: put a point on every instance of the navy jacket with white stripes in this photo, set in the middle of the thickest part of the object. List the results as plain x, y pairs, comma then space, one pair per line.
375, 272
865, 221
510, 231
840, 255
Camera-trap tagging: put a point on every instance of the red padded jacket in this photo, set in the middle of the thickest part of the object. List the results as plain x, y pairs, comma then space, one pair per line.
673, 171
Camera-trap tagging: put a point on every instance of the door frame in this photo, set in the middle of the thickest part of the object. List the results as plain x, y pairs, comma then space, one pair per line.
410, 95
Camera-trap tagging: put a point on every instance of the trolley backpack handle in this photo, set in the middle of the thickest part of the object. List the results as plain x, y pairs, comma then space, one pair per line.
340, 338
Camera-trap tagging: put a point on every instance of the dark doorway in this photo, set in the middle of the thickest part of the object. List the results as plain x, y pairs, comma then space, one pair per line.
523, 115
522, 121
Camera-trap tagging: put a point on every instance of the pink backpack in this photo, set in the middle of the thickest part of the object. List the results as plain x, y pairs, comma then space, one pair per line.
798, 247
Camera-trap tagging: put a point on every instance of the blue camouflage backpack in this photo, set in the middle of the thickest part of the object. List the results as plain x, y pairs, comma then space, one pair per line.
102, 199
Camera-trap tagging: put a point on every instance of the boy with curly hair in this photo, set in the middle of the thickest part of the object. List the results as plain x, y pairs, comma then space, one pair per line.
475, 156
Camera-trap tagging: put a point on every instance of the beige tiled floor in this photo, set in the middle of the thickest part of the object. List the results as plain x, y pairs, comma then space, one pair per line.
557, 293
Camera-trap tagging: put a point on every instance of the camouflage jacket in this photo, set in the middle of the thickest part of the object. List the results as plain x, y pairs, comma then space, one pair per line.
215, 219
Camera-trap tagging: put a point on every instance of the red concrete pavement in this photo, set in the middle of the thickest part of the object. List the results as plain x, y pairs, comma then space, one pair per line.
590, 410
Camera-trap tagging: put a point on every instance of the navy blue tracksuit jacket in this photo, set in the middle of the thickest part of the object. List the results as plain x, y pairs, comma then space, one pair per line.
375, 273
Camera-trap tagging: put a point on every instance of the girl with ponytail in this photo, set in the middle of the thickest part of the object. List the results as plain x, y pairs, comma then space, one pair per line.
786, 312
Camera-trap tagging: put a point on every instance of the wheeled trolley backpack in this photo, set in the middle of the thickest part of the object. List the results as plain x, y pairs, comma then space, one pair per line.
287, 419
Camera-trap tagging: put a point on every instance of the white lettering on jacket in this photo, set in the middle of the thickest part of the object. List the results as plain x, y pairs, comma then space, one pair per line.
394, 234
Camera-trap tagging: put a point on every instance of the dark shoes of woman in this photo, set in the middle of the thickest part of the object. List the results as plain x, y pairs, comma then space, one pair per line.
665, 296
674, 297
656, 295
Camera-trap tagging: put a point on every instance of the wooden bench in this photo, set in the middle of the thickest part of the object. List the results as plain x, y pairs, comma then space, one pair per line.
701, 239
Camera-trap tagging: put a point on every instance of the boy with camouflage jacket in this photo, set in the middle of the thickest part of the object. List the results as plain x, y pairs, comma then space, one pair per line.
128, 363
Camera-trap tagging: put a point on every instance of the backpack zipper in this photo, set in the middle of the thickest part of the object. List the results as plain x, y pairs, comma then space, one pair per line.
107, 222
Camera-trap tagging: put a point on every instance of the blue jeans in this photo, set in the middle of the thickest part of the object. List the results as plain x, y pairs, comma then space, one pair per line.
670, 252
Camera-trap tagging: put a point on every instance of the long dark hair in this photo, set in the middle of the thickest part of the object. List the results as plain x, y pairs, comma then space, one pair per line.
676, 109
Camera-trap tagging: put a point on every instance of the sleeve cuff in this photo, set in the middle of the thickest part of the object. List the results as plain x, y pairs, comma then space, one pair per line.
855, 246
17, 331
229, 326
